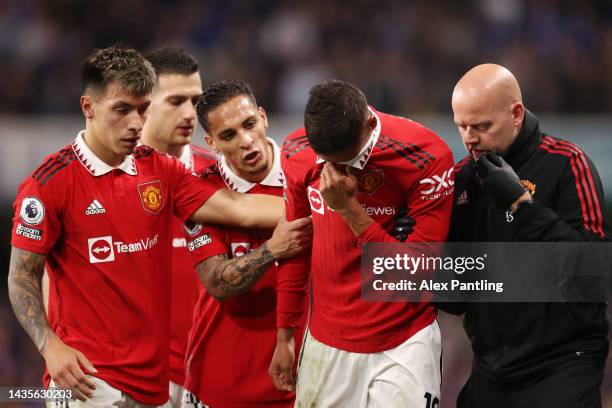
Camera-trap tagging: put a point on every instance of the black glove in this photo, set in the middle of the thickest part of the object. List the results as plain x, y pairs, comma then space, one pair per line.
499, 179
404, 226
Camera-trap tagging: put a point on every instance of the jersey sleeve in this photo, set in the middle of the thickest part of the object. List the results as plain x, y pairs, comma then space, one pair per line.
190, 191
429, 203
577, 211
293, 273
37, 216
204, 241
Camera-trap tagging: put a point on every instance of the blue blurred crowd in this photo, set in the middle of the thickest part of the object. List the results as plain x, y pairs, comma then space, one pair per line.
406, 55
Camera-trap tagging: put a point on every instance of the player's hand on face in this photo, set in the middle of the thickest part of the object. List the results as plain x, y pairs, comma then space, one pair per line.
499, 179
404, 225
281, 367
290, 237
68, 368
338, 186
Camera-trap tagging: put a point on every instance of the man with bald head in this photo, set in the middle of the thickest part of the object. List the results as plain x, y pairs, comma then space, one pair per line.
519, 184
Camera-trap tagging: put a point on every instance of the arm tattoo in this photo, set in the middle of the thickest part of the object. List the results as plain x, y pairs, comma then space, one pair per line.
225, 278
25, 272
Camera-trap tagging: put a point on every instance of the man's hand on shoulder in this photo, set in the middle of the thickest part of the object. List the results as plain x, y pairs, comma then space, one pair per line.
290, 237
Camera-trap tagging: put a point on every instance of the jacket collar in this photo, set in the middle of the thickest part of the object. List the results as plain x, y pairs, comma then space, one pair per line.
94, 164
362, 158
275, 177
526, 142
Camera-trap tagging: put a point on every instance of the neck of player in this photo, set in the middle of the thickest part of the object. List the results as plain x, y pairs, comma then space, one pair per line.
157, 144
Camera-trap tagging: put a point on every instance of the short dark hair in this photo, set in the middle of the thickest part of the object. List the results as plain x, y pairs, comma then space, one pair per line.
127, 67
217, 94
335, 116
172, 60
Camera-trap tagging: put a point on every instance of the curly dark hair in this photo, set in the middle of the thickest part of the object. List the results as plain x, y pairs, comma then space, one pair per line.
335, 116
127, 67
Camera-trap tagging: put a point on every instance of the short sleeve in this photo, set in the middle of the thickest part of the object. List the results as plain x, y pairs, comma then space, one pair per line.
37, 218
190, 190
204, 241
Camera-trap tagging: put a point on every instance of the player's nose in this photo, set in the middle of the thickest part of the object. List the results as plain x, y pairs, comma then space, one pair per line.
246, 140
189, 111
136, 121
470, 136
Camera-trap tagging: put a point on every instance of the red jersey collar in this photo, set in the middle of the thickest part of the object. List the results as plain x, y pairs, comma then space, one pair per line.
94, 164
275, 177
362, 158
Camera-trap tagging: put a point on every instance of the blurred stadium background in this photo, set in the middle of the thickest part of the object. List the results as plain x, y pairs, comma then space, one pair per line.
405, 55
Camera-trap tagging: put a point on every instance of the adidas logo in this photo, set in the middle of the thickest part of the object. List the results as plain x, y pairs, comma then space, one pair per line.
95, 208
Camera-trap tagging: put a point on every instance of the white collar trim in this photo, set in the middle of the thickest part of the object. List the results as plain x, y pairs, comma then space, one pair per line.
275, 177
186, 157
94, 164
362, 158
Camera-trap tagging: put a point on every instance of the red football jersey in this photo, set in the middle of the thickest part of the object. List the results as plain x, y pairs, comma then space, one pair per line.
232, 342
185, 281
403, 165
107, 233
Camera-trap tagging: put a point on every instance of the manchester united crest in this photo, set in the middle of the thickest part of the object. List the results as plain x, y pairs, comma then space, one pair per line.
370, 180
151, 196
529, 186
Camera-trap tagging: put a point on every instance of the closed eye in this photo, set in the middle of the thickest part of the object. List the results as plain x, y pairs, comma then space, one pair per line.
176, 100
484, 126
122, 109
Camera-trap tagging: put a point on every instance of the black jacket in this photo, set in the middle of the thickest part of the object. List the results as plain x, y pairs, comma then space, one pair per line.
516, 343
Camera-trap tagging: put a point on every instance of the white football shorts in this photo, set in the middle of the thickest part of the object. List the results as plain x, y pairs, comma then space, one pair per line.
105, 396
407, 376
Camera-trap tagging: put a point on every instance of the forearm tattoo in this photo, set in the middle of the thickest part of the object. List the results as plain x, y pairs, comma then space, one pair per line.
25, 273
225, 278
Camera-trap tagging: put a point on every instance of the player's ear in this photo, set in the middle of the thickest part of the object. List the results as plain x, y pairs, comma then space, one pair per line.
371, 122
87, 106
210, 141
262, 114
518, 114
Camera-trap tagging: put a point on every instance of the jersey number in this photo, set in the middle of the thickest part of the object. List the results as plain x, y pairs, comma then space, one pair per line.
431, 401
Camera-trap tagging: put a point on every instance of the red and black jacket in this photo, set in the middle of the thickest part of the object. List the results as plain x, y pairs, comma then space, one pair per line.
514, 343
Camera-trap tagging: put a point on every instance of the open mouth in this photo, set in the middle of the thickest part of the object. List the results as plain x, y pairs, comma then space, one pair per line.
252, 157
